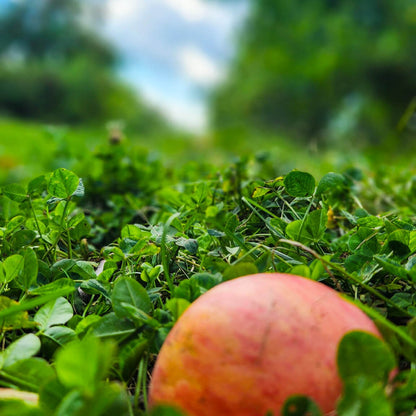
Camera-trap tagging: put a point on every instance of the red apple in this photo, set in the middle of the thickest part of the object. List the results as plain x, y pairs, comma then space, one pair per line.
248, 344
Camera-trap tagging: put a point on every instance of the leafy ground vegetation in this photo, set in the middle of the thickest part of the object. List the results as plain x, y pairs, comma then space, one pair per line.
98, 264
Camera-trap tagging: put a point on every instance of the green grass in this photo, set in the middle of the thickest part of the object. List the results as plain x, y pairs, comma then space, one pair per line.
28, 149
95, 272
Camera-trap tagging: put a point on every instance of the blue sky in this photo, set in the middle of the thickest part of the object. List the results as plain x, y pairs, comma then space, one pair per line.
172, 51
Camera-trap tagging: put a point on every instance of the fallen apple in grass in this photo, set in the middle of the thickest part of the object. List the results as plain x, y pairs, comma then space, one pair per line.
248, 344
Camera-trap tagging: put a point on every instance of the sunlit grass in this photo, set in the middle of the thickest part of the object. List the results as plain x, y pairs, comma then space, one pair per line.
28, 149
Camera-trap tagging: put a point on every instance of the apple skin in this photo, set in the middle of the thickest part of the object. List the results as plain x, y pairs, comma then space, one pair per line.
246, 345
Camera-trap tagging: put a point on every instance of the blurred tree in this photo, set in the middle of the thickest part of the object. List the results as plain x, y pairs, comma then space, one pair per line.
53, 67
50, 30
321, 69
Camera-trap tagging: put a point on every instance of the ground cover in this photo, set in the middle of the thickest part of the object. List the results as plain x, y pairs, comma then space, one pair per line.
98, 263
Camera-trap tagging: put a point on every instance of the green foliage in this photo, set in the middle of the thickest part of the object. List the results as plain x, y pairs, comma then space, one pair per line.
93, 277
334, 72
48, 30
299, 184
165, 411
362, 354
300, 406
53, 68
86, 93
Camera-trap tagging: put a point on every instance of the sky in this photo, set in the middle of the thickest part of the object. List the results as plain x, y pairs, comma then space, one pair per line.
174, 51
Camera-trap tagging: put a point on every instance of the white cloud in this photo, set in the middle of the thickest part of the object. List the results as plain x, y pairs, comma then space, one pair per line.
170, 49
175, 98
199, 67
191, 115
120, 10
194, 10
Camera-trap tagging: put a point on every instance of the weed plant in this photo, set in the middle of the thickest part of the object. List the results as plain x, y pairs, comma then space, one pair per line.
96, 270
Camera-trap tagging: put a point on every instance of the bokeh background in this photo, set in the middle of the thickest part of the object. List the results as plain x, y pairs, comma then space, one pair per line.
316, 83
